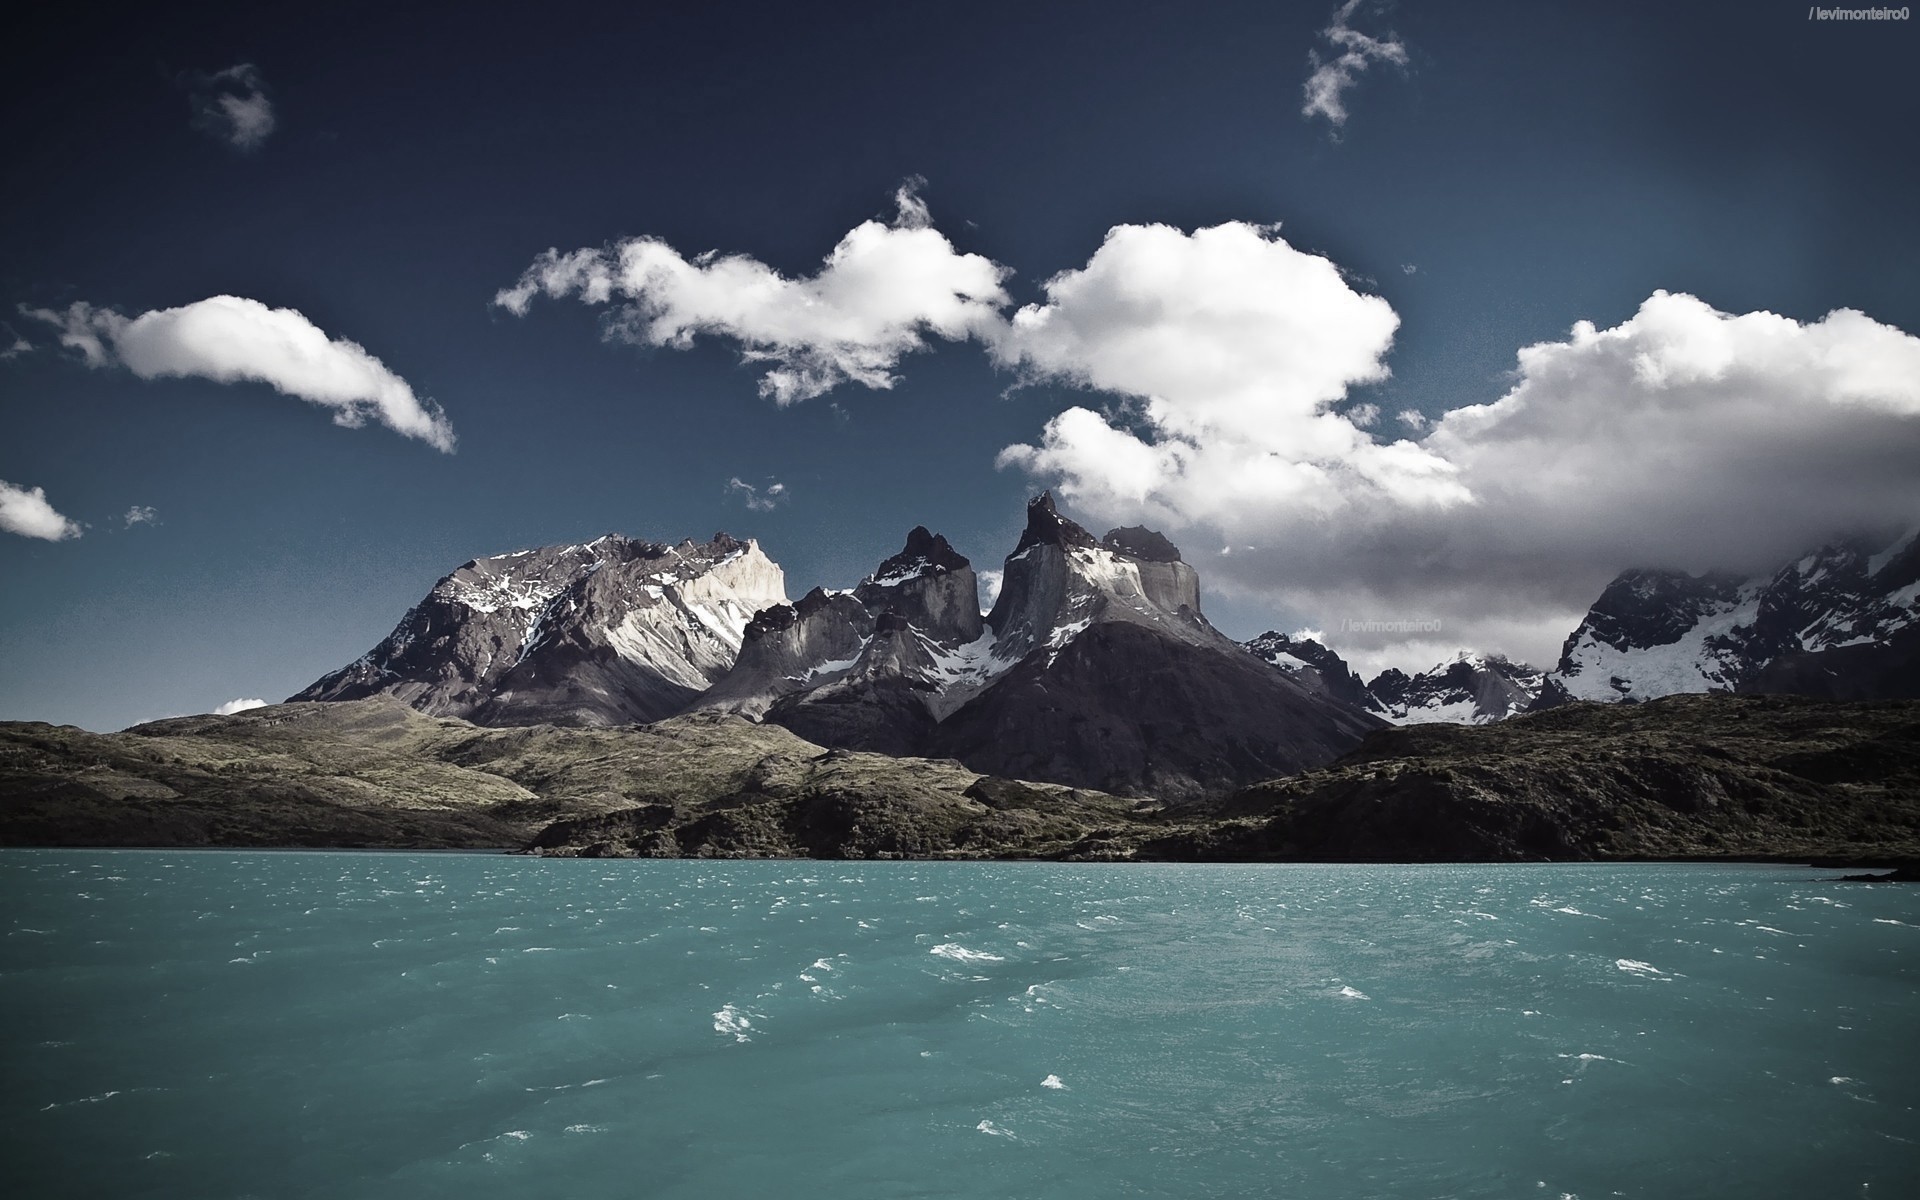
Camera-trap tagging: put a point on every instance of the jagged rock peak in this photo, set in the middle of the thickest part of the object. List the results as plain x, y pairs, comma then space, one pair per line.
1313, 666
1842, 621
1046, 527
1137, 541
1467, 689
926, 553
606, 632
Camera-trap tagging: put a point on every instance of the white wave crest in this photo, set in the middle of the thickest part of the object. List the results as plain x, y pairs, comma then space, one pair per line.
1053, 1081
959, 953
735, 1021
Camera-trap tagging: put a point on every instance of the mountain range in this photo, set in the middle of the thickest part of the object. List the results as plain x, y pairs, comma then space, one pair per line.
1094, 668
1840, 623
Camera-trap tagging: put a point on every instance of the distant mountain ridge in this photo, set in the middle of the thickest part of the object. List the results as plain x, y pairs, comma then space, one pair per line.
611, 632
1113, 678
1095, 667
1839, 623
1470, 689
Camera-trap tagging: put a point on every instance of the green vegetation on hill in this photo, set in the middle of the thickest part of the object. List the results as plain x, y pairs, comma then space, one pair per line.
375, 773
1682, 777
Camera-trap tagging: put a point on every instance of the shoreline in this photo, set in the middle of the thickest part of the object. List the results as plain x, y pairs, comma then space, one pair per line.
1891, 866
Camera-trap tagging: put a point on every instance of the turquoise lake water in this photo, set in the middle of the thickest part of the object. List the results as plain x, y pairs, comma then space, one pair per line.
210, 1024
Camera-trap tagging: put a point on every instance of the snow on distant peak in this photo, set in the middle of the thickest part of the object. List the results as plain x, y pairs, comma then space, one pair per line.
901, 574
1894, 549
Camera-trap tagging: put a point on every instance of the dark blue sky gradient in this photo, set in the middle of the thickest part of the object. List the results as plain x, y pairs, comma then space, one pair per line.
1537, 164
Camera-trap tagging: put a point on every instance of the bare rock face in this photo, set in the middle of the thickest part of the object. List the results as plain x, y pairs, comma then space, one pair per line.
1129, 708
1095, 669
929, 586
1113, 674
607, 633
1060, 580
1317, 668
866, 669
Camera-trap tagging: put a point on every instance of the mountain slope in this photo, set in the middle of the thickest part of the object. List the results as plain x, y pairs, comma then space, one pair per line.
874, 668
375, 773
1685, 776
1316, 668
1682, 776
1473, 689
1841, 622
1118, 682
1095, 668
611, 632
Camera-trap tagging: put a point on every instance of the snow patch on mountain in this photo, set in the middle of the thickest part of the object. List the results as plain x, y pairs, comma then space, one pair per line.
609, 631
1841, 621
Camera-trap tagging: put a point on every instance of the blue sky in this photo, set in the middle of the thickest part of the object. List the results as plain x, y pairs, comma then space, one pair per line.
1501, 173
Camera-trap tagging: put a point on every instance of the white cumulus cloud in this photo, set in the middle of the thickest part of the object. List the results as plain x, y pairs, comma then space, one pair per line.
230, 339
1233, 346
239, 704
1326, 88
25, 511
990, 584
883, 290
231, 106
1682, 437
1693, 437
1225, 372
140, 514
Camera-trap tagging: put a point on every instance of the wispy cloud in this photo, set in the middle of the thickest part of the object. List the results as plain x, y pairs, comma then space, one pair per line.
230, 339
239, 704
882, 291
25, 511
1326, 88
140, 514
758, 499
231, 106
15, 344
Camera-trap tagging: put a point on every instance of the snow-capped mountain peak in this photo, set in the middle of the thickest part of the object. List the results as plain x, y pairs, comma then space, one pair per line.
1469, 688
609, 631
1842, 621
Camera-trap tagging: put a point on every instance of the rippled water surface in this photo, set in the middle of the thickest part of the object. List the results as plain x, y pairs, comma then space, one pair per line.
373, 1025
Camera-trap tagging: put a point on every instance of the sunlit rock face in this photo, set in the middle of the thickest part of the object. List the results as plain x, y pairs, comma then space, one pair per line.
610, 632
